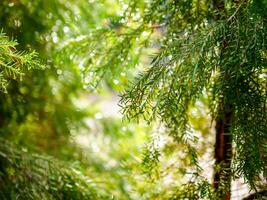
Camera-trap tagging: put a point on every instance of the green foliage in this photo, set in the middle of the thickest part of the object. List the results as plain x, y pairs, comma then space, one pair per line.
214, 57
14, 63
29, 176
194, 191
203, 52
151, 158
50, 102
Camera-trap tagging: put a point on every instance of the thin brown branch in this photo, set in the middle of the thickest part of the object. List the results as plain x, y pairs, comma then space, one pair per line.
256, 195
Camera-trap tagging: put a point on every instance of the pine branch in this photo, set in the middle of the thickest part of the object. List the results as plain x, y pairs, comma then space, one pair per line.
13, 63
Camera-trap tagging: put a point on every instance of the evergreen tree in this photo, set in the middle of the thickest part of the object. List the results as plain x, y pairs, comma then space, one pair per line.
39, 113
217, 49
213, 50
31, 112
28, 176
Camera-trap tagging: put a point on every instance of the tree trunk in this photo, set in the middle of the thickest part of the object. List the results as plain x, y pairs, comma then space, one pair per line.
223, 153
223, 143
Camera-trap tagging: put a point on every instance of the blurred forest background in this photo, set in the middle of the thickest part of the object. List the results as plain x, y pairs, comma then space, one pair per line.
70, 100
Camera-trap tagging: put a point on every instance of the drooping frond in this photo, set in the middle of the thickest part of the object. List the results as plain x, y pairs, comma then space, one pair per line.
215, 58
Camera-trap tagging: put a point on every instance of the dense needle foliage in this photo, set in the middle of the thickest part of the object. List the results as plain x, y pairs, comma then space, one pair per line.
216, 59
200, 69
